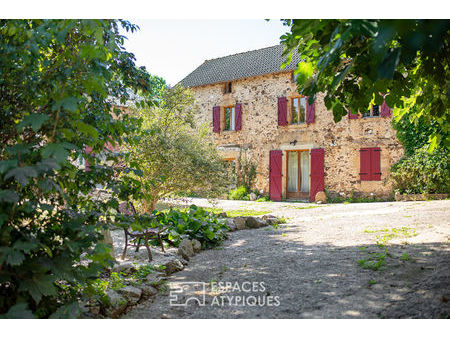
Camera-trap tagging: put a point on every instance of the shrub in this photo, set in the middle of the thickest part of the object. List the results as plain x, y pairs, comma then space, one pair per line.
246, 172
175, 153
194, 223
422, 172
238, 194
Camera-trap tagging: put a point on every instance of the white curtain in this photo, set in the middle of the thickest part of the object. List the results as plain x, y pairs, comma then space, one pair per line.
292, 171
304, 166
233, 119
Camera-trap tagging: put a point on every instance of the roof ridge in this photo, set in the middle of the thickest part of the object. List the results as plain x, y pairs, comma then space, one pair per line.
252, 50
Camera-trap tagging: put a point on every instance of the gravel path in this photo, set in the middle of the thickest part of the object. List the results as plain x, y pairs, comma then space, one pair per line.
308, 268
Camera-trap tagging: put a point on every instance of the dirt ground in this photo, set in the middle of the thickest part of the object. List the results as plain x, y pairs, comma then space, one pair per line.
308, 268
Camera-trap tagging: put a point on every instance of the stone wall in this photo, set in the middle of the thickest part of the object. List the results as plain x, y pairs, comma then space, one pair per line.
260, 133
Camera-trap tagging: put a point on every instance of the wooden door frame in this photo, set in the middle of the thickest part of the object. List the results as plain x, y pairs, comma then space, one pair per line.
299, 193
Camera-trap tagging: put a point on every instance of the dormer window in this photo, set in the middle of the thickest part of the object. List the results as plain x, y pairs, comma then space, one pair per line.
230, 118
298, 110
374, 111
228, 88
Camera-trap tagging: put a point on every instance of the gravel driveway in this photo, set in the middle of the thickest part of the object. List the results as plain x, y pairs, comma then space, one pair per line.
309, 267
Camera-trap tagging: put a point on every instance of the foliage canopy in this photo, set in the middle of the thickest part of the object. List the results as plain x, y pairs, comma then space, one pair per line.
353, 61
57, 81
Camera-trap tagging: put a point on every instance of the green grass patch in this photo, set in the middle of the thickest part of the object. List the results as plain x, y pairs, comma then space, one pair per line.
405, 257
238, 212
377, 260
308, 207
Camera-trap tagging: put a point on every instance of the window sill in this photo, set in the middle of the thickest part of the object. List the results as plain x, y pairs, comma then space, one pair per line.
369, 119
297, 126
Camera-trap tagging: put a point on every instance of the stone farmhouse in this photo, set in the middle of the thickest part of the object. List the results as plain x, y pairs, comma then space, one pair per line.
254, 107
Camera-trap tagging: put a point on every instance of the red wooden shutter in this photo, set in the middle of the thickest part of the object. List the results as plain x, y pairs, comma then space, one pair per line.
275, 163
370, 164
385, 111
375, 165
216, 119
364, 164
282, 111
317, 173
310, 112
238, 117
352, 116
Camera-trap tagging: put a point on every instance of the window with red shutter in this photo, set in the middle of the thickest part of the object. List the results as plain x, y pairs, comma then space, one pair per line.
238, 120
275, 176
282, 111
352, 116
310, 111
375, 165
317, 172
385, 111
216, 119
370, 166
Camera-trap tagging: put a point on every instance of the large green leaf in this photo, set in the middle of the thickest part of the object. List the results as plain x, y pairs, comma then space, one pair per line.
24, 246
9, 196
14, 257
68, 103
55, 150
18, 311
71, 310
86, 129
34, 120
5, 165
22, 174
40, 285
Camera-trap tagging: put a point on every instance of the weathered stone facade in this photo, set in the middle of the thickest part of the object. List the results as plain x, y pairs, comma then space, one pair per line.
260, 133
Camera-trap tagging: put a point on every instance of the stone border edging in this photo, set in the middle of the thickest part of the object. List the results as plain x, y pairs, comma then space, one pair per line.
124, 298
419, 197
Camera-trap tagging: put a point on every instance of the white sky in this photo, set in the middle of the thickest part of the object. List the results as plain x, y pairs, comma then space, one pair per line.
174, 48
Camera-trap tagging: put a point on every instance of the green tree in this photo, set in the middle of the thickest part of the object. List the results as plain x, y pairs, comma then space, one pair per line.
414, 133
175, 153
352, 61
57, 81
419, 171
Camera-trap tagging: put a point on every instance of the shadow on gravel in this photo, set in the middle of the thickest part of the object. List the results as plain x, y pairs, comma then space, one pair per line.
311, 281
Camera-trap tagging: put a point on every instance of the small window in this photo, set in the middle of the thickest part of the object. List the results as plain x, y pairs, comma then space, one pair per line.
298, 110
228, 88
374, 111
230, 118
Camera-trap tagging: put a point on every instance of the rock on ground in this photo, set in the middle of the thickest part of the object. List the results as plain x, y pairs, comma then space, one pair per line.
240, 223
117, 303
131, 293
185, 249
196, 245
173, 266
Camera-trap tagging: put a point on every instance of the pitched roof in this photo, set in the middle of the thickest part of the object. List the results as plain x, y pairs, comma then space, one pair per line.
237, 66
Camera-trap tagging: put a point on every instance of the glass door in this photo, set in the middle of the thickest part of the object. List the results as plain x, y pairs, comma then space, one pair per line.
297, 182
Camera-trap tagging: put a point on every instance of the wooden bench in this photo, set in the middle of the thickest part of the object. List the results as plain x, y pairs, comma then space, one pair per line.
140, 238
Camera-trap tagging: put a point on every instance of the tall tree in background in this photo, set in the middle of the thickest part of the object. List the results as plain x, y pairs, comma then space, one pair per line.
352, 61
57, 82
175, 153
